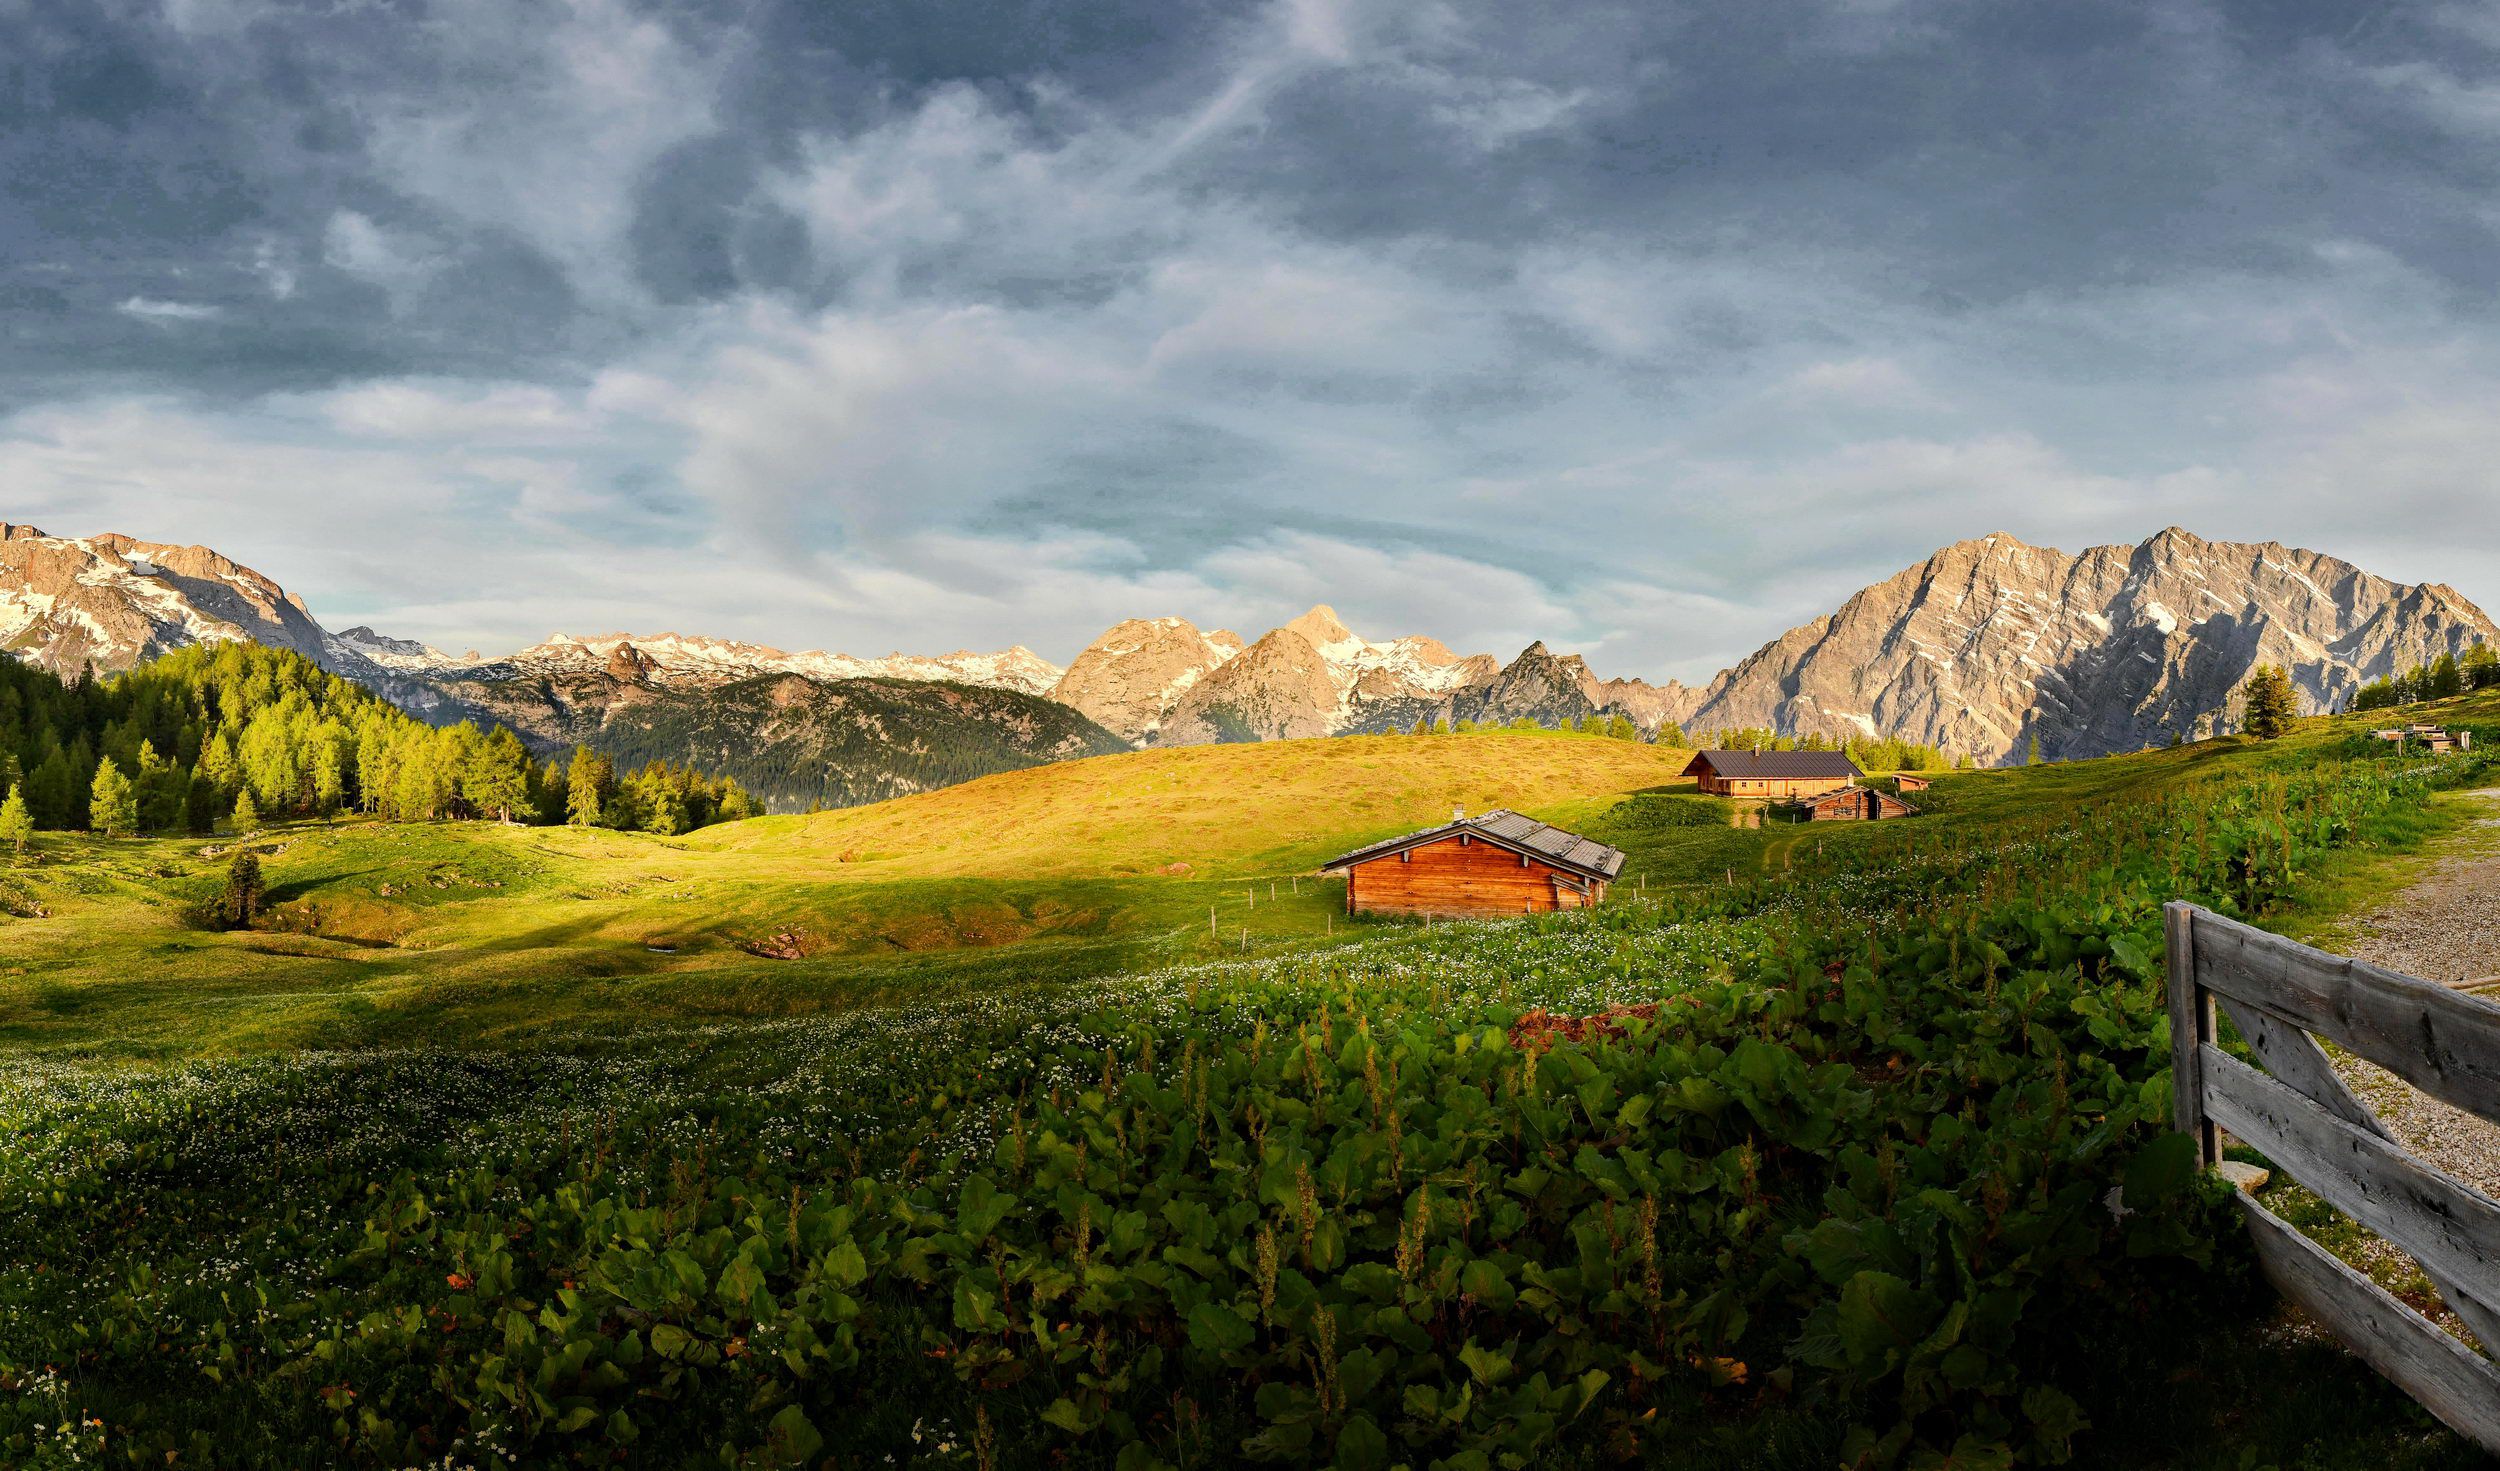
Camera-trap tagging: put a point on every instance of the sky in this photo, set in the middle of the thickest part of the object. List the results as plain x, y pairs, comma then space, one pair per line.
1647, 329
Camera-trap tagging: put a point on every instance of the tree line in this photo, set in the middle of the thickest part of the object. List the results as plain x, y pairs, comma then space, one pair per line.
238, 734
2443, 678
1872, 753
1608, 727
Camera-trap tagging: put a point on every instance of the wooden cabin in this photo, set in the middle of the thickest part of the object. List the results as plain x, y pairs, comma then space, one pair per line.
1911, 782
1849, 804
1481, 867
2437, 739
1776, 775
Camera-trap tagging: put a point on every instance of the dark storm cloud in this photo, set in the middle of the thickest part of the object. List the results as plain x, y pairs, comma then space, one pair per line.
1132, 308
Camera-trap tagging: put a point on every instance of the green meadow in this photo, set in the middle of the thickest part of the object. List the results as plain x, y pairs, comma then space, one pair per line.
475, 932
950, 1132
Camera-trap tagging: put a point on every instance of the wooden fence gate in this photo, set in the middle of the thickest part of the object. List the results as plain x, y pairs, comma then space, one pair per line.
2300, 1115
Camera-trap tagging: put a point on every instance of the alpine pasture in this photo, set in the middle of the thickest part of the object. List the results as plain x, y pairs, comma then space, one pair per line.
1801, 1151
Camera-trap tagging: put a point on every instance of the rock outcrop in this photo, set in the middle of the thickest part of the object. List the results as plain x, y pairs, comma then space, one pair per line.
109, 602
1130, 679
1991, 642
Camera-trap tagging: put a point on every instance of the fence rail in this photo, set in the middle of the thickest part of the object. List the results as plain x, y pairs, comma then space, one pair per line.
2282, 996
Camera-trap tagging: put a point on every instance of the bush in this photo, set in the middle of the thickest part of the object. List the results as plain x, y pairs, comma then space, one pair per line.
1653, 810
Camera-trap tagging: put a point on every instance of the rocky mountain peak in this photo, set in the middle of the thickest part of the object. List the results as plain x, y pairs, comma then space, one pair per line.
1321, 626
114, 601
629, 665
1129, 679
1991, 642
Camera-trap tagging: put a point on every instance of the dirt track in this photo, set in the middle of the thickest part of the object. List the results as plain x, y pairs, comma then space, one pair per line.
2444, 927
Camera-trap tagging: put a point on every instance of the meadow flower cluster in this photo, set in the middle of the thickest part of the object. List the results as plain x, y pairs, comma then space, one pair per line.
1309, 1206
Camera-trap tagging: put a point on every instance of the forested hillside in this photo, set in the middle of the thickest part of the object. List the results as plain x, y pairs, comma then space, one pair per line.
240, 733
802, 743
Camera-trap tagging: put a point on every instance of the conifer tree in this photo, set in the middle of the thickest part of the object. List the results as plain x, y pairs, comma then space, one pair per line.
199, 805
496, 778
240, 903
585, 795
329, 771
2271, 702
51, 789
17, 825
112, 803
246, 813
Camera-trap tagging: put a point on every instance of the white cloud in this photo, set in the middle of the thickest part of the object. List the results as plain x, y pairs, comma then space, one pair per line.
397, 261
1385, 592
148, 309
452, 411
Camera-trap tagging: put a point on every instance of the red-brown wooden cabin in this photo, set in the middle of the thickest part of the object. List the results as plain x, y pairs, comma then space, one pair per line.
1776, 775
1497, 864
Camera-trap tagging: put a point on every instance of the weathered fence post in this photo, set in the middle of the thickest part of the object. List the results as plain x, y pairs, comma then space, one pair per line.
2295, 1110
2191, 1026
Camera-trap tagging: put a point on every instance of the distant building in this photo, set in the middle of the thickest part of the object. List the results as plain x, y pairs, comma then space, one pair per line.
1908, 782
1849, 804
1777, 775
1497, 864
2439, 740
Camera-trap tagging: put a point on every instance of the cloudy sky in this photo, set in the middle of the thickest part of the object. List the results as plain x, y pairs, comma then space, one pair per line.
1648, 329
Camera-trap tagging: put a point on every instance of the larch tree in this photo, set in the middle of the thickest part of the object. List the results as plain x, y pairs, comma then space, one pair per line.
496, 778
2446, 680
586, 788
112, 802
17, 825
2481, 667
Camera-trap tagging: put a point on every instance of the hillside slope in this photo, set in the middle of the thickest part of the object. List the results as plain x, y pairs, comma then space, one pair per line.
1273, 807
799, 742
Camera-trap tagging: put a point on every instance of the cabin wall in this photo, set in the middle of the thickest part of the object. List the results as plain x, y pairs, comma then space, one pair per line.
1867, 805
1458, 877
1775, 788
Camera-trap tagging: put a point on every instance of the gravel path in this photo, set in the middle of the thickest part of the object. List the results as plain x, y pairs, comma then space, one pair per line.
2445, 927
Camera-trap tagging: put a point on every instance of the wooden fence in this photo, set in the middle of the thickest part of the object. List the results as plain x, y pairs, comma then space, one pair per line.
2299, 1114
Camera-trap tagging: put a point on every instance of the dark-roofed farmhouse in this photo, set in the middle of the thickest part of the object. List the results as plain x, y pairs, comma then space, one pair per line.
1778, 775
1496, 864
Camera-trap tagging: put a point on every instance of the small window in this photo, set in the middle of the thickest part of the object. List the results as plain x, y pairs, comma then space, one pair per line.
1407, 857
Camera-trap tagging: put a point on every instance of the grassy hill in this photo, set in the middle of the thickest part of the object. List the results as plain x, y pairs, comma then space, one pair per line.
465, 932
1259, 809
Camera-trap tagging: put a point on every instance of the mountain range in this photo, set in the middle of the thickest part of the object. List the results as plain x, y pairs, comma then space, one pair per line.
1983, 648
1991, 642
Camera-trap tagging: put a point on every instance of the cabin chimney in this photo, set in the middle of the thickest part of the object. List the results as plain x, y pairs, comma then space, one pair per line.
1459, 813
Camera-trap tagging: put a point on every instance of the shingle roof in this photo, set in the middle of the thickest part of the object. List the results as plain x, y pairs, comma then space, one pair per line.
1512, 831
1851, 794
1774, 765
